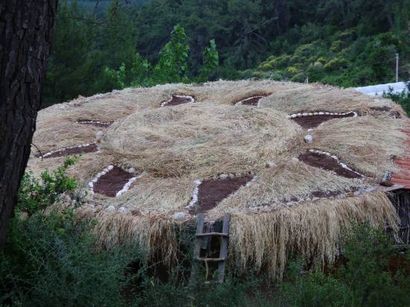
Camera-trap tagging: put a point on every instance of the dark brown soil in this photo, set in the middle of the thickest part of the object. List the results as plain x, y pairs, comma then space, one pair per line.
177, 99
324, 194
112, 182
72, 151
381, 109
212, 191
251, 101
327, 194
395, 114
96, 123
313, 121
323, 161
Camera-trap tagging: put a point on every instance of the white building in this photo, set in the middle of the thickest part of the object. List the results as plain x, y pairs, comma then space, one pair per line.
379, 89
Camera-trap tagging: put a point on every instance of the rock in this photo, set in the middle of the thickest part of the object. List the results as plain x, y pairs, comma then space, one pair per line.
180, 216
270, 164
99, 135
308, 138
110, 209
123, 210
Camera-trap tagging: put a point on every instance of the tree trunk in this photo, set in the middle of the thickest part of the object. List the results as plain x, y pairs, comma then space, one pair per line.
25, 38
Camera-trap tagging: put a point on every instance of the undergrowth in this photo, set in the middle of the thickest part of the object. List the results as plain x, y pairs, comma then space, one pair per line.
402, 98
51, 259
367, 276
39, 193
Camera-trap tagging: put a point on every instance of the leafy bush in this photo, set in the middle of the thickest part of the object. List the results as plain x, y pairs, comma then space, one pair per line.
210, 62
402, 98
173, 60
138, 73
365, 279
348, 60
37, 194
52, 260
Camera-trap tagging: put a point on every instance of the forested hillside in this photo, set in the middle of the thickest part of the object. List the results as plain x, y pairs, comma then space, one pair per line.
124, 43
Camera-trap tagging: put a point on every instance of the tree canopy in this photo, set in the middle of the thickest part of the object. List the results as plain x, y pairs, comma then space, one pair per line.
146, 42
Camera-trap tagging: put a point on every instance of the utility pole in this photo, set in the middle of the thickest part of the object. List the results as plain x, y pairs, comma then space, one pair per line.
397, 67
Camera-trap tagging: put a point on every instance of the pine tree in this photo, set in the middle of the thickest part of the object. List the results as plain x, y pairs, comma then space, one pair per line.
173, 61
210, 62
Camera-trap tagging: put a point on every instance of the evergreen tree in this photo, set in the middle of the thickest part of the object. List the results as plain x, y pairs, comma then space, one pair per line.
118, 36
173, 61
71, 63
210, 62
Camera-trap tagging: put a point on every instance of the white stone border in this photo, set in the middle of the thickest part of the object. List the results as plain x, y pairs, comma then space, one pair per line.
296, 115
194, 197
343, 165
127, 185
191, 99
95, 179
91, 122
198, 182
268, 208
124, 189
344, 194
67, 148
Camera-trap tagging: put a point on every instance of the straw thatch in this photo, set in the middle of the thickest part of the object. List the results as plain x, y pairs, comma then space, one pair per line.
288, 207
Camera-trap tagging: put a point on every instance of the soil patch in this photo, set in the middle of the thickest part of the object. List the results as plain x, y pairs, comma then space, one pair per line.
310, 120
327, 162
177, 99
322, 194
96, 123
75, 150
112, 182
328, 194
250, 101
381, 109
393, 114
212, 191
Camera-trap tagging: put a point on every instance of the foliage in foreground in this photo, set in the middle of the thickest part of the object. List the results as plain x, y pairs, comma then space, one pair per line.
366, 279
38, 194
52, 260
402, 98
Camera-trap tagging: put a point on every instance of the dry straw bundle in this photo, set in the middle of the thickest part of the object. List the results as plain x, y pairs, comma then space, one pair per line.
216, 156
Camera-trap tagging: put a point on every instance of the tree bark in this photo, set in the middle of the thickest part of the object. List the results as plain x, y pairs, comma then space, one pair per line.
25, 38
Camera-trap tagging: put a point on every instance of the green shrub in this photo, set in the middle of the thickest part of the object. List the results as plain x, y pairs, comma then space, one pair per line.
138, 73
314, 289
365, 279
336, 63
52, 261
299, 77
210, 57
37, 194
173, 60
402, 98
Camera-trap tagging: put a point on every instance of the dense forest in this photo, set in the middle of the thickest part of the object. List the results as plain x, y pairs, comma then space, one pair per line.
65, 247
102, 45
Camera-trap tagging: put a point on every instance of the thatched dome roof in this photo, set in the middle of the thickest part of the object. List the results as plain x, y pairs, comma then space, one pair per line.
293, 163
